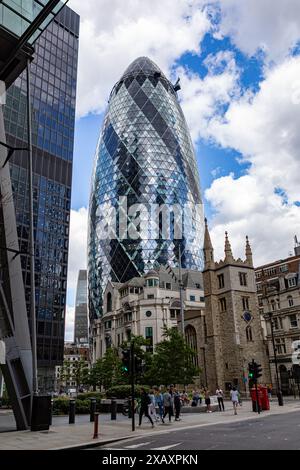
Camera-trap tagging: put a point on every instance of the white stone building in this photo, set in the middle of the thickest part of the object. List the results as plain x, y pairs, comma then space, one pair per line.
144, 305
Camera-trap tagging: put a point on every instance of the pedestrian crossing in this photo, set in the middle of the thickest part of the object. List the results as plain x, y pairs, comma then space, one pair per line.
143, 444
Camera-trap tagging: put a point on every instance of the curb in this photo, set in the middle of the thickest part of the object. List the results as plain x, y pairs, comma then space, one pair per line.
92, 444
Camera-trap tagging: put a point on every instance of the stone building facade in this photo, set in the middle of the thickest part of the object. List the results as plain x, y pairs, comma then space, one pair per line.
144, 305
278, 289
234, 333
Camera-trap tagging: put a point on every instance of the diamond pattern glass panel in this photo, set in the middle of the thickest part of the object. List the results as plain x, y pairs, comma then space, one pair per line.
145, 153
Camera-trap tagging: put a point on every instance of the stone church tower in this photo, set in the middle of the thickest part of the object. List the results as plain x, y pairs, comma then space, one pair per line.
234, 333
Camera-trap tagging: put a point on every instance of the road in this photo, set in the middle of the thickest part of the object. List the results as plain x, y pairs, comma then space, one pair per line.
267, 433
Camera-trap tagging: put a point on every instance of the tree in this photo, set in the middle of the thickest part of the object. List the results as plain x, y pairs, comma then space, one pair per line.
172, 360
141, 356
80, 373
111, 368
95, 377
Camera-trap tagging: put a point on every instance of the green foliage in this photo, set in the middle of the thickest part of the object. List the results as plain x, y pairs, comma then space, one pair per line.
61, 406
172, 361
124, 391
88, 395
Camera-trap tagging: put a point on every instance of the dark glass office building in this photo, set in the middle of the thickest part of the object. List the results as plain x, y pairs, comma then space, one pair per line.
53, 87
145, 154
81, 335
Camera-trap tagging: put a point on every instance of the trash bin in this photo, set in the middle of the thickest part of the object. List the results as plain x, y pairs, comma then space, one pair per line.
41, 413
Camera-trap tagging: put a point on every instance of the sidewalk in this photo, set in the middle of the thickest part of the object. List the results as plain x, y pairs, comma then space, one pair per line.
80, 435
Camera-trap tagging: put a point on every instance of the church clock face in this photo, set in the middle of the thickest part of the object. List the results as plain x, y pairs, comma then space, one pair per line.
247, 316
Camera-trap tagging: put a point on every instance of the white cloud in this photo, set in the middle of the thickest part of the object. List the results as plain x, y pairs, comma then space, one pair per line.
264, 128
273, 26
204, 99
113, 34
243, 207
77, 245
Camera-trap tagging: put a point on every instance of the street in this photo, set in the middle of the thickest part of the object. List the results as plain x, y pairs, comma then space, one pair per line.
279, 432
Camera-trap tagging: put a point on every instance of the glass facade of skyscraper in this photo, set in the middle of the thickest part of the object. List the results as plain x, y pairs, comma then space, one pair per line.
145, 154
53, 87
81, 313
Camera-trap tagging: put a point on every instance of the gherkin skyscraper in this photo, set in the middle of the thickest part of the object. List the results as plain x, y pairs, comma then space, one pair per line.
144, 160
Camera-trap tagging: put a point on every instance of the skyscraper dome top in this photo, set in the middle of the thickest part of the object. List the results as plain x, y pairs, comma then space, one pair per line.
141, 65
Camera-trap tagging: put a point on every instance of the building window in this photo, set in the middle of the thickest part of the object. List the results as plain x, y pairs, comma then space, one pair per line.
293, 321
148, 313
221, 281
174, 313
202, 299
243, 279
109, 302
191, 339
149, 337
258, 275
283, 268
245, 301
150, 296
269, 271
277, 323
168, 286
152, 282
198, 286
223, 304
280, 346
192, 298
107, 325
290, 301
249, 333
292, 282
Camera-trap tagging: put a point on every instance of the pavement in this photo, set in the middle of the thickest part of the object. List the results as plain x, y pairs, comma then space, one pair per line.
80, 435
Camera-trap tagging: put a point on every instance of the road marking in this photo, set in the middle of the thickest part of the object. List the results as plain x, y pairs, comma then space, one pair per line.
137, 445
166, 447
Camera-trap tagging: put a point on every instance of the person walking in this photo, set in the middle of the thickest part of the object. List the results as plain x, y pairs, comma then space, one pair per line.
168, 405
234, 396
207, 400
144, 409
152, 406
159, 402
220, 397
177, 404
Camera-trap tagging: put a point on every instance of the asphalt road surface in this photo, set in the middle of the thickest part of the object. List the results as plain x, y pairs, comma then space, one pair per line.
279, 432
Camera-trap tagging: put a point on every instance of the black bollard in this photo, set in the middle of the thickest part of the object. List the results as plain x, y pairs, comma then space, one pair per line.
280, 398
113, 409
51, 412
72, 411
93, 409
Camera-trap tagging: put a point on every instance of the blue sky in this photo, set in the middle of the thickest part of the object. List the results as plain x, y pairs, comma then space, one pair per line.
239, 64
210, 156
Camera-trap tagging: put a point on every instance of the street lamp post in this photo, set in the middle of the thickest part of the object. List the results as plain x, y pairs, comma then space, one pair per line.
278, 390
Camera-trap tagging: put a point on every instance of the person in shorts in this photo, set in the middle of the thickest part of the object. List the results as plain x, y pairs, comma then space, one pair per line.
207, 401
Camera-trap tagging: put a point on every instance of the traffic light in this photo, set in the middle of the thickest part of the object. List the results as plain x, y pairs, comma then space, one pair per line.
138, 365
251, 371
257, 370
126, 360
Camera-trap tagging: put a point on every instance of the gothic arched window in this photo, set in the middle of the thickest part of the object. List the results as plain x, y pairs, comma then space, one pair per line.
109, 302
249, 333
191, 339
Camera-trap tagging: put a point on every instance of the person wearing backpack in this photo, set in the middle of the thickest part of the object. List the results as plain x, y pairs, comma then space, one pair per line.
144, 410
